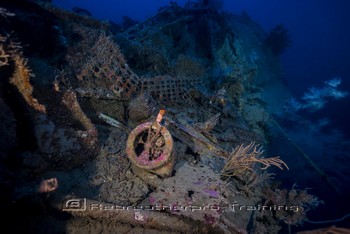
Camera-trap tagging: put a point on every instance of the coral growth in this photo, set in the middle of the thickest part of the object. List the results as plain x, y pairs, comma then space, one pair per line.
242, 160
299, 202
3, 56
21, 79
10, 51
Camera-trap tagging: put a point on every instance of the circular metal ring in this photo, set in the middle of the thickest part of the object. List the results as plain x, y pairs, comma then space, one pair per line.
143, 159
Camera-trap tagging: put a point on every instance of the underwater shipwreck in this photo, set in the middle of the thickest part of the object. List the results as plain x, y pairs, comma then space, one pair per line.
158, 126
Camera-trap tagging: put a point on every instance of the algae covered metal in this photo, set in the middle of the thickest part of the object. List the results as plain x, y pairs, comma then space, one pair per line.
150, 147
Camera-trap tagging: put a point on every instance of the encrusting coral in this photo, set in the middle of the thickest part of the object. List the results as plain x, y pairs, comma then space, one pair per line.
70, 100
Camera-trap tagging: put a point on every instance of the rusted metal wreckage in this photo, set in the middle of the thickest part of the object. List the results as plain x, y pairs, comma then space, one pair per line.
150, 145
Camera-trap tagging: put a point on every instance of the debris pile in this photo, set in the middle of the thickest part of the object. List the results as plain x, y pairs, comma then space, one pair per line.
88, 118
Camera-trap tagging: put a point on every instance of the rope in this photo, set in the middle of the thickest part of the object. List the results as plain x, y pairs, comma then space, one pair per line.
330, 221
306, 157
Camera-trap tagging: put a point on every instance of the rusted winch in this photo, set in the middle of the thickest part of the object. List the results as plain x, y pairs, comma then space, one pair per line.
150, 147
